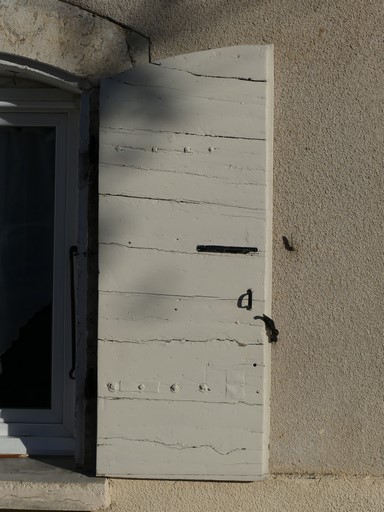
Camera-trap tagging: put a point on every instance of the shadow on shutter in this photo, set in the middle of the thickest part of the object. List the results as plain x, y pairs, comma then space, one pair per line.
185, 160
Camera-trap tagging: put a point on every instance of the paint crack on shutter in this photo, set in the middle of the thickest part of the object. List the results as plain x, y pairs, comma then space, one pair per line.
228, 402
175, 132
177, 446
197, 174
208, 76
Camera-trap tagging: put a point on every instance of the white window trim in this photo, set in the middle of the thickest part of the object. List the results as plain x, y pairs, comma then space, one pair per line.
50, 432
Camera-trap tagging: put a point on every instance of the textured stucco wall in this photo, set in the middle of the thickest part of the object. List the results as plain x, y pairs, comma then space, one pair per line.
278, 494
327, 378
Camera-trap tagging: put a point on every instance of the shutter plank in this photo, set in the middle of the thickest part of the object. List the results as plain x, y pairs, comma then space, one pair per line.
120, 181
221, 157
175, 435
231, 375
215, 107
161, 458
151, 317
207, 224
176, 273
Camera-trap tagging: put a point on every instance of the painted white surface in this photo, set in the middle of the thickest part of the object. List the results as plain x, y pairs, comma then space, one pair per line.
140, 317
167, 230
183, 370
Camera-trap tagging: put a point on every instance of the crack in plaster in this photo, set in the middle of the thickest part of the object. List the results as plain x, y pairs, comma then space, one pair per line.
130, 53
106, 18
42, 497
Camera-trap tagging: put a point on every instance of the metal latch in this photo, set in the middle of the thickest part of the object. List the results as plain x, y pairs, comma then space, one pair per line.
226, 249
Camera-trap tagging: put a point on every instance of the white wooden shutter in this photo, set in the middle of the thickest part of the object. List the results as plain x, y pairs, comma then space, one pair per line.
185, 160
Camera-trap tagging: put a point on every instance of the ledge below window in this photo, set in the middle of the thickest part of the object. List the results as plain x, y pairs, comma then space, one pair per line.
49, 483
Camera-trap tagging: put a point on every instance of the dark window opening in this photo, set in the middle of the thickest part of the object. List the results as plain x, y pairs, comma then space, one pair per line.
27, 193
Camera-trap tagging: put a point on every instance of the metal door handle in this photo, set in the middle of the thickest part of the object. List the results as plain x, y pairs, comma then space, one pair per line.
245, 296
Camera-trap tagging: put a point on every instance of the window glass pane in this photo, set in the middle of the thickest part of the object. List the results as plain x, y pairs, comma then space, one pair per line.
27, 186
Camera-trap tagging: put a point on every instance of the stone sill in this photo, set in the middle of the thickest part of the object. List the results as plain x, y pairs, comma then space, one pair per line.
49, 483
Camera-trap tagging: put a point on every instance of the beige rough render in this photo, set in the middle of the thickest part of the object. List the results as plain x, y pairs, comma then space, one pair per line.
327, 408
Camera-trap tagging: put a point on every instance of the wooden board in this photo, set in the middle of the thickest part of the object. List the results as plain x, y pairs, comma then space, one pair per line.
143, 317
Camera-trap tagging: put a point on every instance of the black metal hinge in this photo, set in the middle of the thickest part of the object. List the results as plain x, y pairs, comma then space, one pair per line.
270, 326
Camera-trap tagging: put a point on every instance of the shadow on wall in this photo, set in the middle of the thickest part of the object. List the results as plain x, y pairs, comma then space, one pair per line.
166, 22
127, 171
